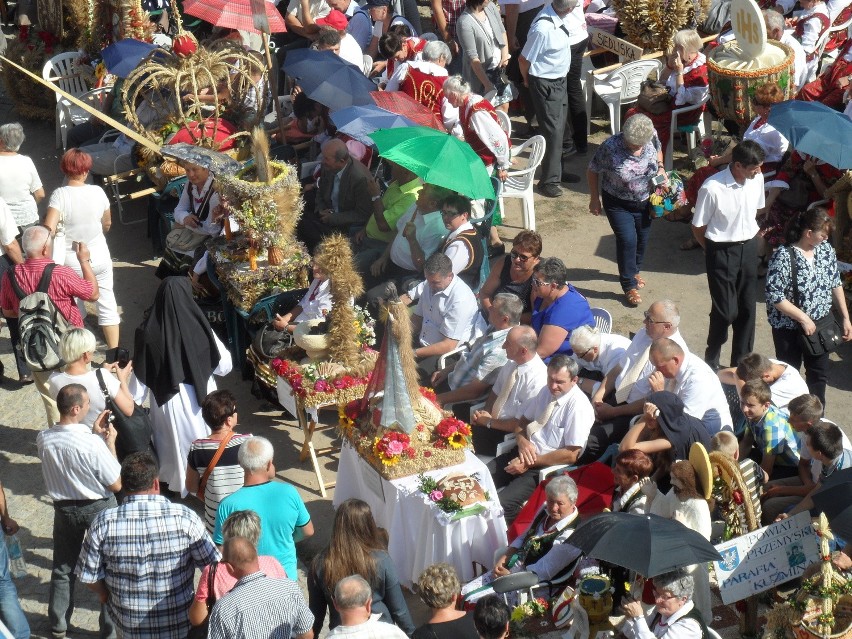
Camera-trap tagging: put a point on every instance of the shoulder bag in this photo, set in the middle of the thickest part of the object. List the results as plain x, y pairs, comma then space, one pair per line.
654, 97
202, 485
200, 631
134, 432
828, 334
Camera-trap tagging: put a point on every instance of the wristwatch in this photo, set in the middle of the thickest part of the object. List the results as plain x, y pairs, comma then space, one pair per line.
488, 423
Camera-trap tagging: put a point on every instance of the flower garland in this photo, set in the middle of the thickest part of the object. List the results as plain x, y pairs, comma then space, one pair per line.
392, 447
306, 381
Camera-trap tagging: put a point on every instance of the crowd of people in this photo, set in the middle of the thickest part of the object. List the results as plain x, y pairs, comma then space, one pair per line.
535, 378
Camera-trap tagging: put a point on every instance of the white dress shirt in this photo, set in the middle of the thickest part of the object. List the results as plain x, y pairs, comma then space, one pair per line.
673, 627
183, 208
610, 352
449, 313
637, 347
569, 423
728, 209
532, 377
351, 51
700, 390
315, 301
548, 47
800, 62
774, 144
76, 463
786, 388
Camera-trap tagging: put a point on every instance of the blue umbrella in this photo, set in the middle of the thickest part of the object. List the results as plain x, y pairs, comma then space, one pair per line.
359, 121
329, 79
124, 56
815, 129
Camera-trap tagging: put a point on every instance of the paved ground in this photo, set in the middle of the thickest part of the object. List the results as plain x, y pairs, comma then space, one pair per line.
585, 243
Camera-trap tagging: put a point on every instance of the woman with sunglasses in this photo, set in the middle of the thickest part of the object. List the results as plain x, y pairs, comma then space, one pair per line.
674, 613
558, 308
515, 274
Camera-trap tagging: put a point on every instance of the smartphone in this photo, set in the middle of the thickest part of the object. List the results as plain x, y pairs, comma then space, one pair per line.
658, 180
118, 355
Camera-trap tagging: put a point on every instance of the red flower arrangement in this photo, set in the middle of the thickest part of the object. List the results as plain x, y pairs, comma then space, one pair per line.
452, 433
303, 385
429, 394
392, 447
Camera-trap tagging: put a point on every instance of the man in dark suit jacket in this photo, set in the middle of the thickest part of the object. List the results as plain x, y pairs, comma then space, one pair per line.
345, 197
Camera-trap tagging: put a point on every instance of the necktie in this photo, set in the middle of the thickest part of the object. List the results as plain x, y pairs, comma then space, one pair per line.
500, 402
538, 424
631, 377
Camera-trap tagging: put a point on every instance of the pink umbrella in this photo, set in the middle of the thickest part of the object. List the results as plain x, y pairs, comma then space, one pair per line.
236, 14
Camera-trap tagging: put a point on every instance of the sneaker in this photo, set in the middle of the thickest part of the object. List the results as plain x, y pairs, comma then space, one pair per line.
550, 190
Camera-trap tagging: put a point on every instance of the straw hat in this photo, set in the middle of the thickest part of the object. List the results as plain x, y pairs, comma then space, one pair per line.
701, 463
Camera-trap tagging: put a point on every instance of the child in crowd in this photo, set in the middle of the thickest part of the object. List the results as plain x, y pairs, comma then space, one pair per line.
768, 431
825, 443
753, 475
782, 494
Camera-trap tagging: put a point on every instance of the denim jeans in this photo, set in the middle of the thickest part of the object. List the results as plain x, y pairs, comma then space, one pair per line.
10, 608
71, 520
631, 223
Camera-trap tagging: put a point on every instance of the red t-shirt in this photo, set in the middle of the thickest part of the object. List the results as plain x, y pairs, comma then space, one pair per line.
65, 285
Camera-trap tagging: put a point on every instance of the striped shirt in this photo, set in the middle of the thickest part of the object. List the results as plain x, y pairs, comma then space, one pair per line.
146, 551
76, 463
227, 476
65, 285
261, 608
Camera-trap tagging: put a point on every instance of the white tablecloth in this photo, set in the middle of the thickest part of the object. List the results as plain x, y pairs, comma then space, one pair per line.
420, 533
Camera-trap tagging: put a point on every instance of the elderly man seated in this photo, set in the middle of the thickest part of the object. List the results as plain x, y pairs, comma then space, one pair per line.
552, 428
474, 373
523, 376
446, 315
597, 354
674, 615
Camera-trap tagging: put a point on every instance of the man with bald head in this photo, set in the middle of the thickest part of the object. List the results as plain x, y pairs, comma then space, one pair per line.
258, 607
353, 600
523, 376
344, 200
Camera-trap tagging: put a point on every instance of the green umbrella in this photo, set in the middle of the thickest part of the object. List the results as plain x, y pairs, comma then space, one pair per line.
437, 158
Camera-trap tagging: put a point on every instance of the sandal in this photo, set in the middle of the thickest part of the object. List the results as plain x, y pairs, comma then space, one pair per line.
640, 282
689, 244
633, 297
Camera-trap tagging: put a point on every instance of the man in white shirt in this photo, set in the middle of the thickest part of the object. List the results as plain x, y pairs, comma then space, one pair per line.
725, 226
597, 353
301, 16
81, 473
344, 45
544, 65
785, 382
775, 30
446, 315
552, 428
523, 376
353, 600
693, 381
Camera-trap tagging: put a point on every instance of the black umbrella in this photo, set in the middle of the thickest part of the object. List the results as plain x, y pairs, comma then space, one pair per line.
835, 500
647, 544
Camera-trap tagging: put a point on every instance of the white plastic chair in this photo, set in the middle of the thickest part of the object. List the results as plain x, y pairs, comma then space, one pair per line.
689, 129
505, 122
603, 319
619, 87
60, 70
72, 115
519, 183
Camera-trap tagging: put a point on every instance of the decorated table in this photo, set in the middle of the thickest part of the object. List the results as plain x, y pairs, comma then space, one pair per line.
420, 533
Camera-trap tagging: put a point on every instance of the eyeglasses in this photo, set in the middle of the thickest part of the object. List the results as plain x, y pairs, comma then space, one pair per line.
663, 597
523, 259
588, 350
537, 282
648, 319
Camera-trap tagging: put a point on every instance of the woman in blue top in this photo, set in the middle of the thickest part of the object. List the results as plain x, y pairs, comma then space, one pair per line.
558, 308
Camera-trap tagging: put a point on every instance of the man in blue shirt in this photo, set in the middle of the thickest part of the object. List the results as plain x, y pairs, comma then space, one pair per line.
284, 520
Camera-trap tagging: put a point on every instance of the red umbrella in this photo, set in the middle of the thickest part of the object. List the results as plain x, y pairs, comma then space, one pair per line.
403, 104
236, 14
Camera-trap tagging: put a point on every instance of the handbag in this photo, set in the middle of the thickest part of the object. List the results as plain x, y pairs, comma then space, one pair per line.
797, 196
200, 631
828, 334
202, 485
654, 97
134, 432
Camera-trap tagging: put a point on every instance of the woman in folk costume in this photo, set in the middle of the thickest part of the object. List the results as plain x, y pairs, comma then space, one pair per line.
685, 76
176, 355
687, 503
808, 29
831, 87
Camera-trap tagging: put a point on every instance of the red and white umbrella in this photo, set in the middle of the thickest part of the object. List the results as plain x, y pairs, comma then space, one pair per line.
236, 14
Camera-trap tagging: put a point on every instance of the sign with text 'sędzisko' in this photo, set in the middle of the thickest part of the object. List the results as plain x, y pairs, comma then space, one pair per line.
769, 556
